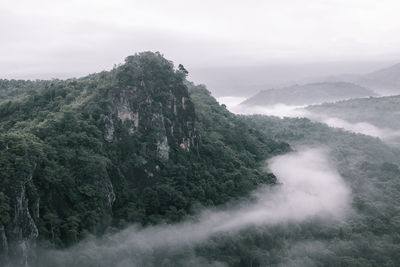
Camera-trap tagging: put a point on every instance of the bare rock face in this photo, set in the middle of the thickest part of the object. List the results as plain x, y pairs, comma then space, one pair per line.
109, 128
108, 193
147, 105
151, 99
24, 231
3, 245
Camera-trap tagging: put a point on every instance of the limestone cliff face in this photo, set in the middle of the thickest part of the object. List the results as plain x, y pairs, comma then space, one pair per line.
25, 231
148, 114
18, 242
3, 245
151, 99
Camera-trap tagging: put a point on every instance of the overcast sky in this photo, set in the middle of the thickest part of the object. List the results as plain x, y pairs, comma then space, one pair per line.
51, 38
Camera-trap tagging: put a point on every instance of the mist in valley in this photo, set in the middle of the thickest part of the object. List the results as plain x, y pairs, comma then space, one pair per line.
387, 134
309, 188
234, 134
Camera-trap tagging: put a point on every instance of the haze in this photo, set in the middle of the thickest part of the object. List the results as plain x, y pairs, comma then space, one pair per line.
59, 39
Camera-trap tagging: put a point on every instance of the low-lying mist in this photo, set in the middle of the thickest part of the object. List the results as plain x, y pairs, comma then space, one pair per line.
280, 110
308, 187
366, 128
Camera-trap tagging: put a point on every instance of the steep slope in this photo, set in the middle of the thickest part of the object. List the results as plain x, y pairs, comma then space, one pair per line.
127, 146
308, 94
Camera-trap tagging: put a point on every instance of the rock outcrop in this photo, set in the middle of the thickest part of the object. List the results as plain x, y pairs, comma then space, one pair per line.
156, 105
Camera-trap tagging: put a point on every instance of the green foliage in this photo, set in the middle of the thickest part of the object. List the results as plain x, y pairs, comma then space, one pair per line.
4, 209
369, 237
52, 140
382, 112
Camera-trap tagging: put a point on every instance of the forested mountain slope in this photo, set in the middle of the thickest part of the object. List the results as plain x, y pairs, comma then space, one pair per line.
382, 112
370, 236
132, 145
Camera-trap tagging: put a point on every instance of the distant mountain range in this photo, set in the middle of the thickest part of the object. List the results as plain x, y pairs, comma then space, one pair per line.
384, 81
307, 94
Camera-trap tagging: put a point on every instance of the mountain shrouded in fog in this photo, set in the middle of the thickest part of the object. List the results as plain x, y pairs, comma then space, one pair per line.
110, 149
314, 93
137, 166
265, 133
385, 81
383, 112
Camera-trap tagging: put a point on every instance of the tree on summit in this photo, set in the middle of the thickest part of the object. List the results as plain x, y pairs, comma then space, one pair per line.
182, 69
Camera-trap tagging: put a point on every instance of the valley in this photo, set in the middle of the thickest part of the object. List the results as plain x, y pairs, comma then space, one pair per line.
138, 166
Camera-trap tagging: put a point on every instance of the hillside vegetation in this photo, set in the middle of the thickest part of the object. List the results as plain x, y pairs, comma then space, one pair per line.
130, 145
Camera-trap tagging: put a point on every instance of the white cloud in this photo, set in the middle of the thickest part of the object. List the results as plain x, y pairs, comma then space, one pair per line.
231, 101
366, 128
278, 110
62, 36
310, 188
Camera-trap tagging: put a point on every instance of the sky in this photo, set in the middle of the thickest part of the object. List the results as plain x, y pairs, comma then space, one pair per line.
59, 39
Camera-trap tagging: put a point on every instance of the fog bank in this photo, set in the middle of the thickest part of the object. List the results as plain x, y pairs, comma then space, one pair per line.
278, 110
308, 187
366, 128
281, 110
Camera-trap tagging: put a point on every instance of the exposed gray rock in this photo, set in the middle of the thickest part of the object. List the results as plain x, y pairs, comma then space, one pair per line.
125, 107
162, 142
109, 127
163, 148
110, 194
3, 245
186, 144
183, 102
24, 231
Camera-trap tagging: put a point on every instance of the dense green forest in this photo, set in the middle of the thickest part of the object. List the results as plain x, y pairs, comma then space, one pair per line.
382, 112
141, 152
114, 148
370, 237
